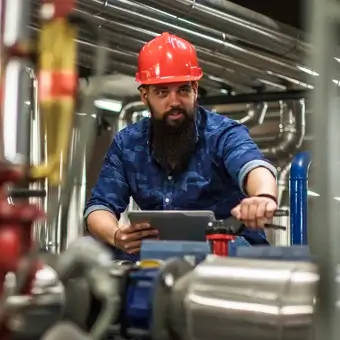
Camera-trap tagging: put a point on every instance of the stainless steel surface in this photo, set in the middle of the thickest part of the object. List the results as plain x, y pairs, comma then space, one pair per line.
73, 223
126, 12
293, 128
18, 14
237, 23
255, 115
242, 299
324, 231
47, 299
37, 153
15, 110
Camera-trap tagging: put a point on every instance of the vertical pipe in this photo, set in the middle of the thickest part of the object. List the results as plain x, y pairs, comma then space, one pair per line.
324, 218
298, 183
15, 113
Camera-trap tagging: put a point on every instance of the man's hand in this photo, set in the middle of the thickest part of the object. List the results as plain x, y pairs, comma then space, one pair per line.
255, 212
129, 237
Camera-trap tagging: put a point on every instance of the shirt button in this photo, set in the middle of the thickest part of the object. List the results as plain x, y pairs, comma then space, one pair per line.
169, 178
167, 200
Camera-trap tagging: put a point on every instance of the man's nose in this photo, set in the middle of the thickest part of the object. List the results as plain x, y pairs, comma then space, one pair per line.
173, 98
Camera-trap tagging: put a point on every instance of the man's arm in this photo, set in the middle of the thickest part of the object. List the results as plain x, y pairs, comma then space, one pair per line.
110, 196
245, 163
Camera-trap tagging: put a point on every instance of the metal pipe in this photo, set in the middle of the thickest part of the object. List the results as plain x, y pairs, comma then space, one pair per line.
127, 112
236, 24
254, 97
132, 12
293, 131
37, 147
120, 40
16, 83
255, 115
244, 299
324, 217
125, 61
299, 198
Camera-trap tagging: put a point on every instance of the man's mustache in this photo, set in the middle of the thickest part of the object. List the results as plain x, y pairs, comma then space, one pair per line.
176, 110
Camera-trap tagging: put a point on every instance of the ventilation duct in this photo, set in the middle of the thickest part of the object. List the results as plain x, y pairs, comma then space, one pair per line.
237, 24
116, 19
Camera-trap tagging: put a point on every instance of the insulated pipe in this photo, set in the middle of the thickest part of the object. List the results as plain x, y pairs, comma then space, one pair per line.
132, 12
299, 198
255, 97
242, 299
117, 33
236, 23
293, 131
255, 115
119, 39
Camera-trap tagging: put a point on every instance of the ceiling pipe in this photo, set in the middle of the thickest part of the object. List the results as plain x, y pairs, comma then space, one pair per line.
293, 128
252, 18
236, 23
119, 39
217, 74
132, 12
125, 62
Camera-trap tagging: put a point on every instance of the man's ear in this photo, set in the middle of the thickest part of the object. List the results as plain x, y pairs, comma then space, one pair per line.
143, 94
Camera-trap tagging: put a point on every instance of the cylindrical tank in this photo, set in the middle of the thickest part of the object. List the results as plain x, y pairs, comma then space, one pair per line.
239, 299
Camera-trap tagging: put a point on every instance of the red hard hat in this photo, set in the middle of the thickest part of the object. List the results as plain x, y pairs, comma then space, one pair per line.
167, 59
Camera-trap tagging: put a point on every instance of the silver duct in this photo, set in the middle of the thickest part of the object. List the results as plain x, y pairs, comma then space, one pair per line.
130, 113
239, 24
255, 116
282, 237
37, 153
292, 131
215, 75
239, 299
114, 18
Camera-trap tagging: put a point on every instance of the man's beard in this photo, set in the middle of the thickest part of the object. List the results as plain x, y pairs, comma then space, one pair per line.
173, 145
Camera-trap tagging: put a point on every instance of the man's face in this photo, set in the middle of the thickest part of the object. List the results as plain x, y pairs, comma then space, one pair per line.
172, 107
173, 103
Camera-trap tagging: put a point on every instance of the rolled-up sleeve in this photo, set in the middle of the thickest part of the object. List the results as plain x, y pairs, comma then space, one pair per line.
240, 153
112, 191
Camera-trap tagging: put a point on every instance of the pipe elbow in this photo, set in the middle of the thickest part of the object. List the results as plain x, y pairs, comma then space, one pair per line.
300, 166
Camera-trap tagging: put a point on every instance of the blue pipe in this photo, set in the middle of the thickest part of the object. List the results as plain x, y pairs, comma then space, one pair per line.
298, 182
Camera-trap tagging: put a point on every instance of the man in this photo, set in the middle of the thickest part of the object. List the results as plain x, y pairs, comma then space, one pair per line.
182, 158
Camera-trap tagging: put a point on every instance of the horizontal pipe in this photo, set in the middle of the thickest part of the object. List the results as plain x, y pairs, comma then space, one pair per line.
254, 97
131, 12
219, 16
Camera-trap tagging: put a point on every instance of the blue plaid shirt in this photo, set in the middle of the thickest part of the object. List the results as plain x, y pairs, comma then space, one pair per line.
214, 179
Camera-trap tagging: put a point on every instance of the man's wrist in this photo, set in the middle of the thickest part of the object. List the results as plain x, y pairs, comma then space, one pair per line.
114, 239
272, 197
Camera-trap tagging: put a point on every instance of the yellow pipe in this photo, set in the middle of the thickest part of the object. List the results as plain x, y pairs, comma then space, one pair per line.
57, 64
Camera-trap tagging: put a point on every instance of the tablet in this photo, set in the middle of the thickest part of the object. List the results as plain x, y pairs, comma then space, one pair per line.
175, 225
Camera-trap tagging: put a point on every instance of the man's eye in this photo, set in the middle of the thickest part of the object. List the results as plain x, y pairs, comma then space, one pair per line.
185, 90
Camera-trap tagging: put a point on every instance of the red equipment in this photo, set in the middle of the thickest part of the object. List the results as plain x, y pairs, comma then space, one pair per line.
167, 59
219, 238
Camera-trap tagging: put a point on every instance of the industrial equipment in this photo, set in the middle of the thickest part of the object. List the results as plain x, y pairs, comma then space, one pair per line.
185, 293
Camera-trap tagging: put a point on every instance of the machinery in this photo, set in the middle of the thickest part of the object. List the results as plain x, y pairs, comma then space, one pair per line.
83, 293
